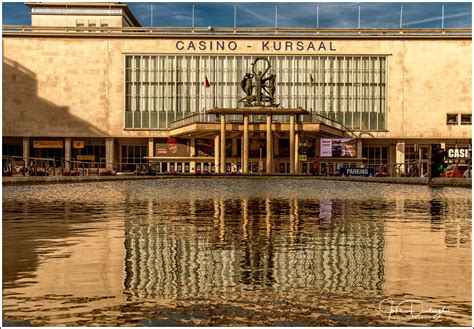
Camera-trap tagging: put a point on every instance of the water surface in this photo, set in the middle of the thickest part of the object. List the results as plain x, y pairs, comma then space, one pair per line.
260, 252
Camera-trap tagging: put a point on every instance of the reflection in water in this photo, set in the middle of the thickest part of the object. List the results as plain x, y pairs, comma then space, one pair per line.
261, 243
142, 251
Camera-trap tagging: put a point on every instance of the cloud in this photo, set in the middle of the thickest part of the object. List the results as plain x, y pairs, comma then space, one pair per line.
435, 19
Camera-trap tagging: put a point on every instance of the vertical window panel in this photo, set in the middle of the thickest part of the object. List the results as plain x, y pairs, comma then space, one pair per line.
346, 88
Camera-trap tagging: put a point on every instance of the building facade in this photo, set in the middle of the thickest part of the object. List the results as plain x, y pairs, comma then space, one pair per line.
119, 94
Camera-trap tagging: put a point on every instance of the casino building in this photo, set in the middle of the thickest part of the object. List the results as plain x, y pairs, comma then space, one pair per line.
85, 82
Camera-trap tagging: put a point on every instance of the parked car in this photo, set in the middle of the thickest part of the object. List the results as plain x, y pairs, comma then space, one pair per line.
455, 171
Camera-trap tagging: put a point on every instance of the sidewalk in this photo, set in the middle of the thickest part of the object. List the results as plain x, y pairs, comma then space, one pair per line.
451, 182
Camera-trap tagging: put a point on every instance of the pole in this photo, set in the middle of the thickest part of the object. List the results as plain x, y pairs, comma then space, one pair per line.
193, 19
317, 17
235, 17
151, 15
401, 17
442, 17
276, 16
358, 20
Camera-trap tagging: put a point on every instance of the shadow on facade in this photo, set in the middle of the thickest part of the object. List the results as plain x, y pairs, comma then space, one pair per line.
26, 114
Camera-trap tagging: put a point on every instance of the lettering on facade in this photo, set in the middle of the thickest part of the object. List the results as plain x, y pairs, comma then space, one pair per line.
459, 153
270, 46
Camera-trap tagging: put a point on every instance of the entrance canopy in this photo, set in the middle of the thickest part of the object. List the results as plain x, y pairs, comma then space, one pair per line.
261, 110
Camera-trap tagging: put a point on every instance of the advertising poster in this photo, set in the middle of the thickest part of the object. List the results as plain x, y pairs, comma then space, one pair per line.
338, 148
172, 147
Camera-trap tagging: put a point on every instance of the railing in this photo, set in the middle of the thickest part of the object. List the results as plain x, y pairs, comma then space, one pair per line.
242, 30
195, 118
212, 118
18, 166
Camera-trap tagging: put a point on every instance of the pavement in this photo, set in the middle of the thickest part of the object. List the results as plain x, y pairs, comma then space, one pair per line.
31, 180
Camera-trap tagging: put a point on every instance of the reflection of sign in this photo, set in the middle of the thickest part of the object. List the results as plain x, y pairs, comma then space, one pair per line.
459, 153
48, 144
357, 172
338, 148
303, 158
172, 147
85, 157
78, 144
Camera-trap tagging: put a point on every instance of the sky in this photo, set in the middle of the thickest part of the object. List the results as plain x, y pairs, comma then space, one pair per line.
296, 14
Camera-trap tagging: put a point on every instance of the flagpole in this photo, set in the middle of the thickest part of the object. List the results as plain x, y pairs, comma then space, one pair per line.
442, 17
276, 17
235, 18
358, 20
317, 17
193, 19
401, 17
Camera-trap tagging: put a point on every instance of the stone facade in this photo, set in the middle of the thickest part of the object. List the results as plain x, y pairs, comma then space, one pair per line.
74, 85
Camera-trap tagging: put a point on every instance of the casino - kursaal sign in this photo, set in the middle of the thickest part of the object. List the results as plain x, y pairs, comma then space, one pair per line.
459, 153
261, 46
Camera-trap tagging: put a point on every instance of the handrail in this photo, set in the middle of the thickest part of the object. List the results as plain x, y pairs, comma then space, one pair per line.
244, 30
314, 117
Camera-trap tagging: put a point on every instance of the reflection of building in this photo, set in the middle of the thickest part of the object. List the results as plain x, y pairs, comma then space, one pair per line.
121, 90
227, 245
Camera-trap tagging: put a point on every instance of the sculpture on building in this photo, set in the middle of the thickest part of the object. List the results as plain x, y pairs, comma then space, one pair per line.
264, 87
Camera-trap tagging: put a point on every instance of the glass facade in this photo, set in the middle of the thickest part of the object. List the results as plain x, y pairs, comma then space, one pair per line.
163, 88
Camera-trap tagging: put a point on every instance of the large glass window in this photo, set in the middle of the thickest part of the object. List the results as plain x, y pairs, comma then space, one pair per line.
376, 156
161, 89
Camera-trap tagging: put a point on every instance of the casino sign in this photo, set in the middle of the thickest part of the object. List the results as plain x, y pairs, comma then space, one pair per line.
459, 153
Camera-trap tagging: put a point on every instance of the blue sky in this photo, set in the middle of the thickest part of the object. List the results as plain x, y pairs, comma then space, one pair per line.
303, 14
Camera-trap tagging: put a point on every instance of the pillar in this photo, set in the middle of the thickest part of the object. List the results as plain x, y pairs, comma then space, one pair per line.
292, 144
192, 151
216, 154
234, 155
67, 152
297, 152
150, 147
26, 148
359, 148
222, 139
109, 153
245, 153
269, 144
400, 157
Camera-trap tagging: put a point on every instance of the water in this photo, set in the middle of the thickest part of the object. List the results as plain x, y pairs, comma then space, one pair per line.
240, 252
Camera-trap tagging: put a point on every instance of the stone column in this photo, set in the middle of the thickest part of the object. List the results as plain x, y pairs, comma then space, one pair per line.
26, 148
297, 152
67, 152
150, 147
359, 148
216, 154
245, 143
400, 156
192, 151
269, 144
109, 153
222, 171
292, 144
